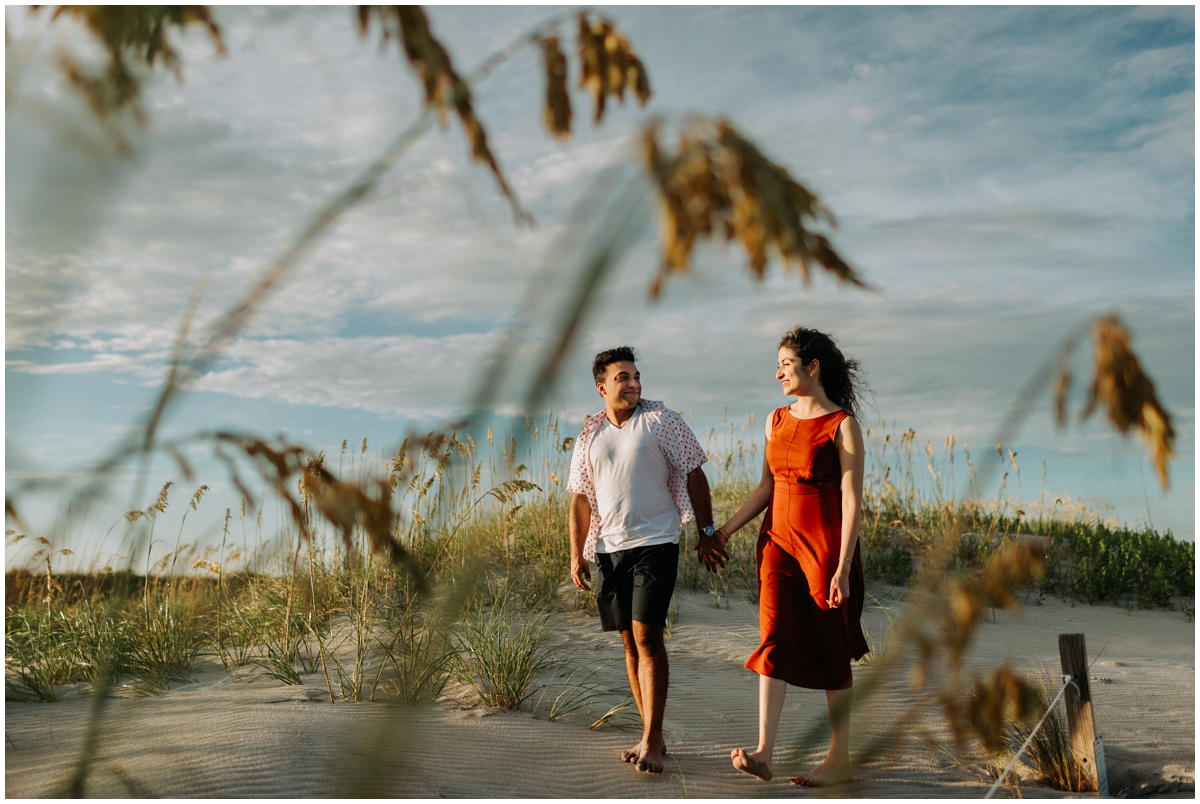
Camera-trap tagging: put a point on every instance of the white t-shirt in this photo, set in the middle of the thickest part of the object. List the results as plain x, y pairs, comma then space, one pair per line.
630, 472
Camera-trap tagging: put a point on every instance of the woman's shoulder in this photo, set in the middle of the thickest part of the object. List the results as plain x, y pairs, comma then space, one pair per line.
845, 418
773, 420
847, 426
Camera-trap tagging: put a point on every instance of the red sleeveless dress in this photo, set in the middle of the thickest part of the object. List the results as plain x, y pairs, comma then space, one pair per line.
804, 642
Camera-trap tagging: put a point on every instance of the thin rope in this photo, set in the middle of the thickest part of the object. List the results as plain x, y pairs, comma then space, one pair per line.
1003, 776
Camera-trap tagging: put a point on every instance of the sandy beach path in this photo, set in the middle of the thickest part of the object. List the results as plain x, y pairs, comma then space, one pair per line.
259, 738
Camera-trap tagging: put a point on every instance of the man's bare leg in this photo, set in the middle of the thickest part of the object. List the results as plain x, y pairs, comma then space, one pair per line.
771, 694
653, 677
835, 768
631, 670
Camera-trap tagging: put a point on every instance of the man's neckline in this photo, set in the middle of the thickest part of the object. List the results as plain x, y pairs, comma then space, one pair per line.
636, 411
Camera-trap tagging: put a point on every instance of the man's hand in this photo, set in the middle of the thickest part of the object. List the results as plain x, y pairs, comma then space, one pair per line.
711, 551
578, 519
581, 574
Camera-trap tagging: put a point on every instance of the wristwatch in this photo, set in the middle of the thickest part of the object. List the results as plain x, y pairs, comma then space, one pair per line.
708, 532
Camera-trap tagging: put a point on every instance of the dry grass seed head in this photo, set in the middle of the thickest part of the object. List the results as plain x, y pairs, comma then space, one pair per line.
160, 504
993, 702
993, 586
141, 31
134, 37
558, 112
210, 566
345, 505
1128, 394
443, 85
197, 496
718, 181
608, 64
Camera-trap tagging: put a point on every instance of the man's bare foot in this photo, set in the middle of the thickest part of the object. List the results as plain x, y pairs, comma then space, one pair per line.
751, 763
651, 761
823, 775
632, 754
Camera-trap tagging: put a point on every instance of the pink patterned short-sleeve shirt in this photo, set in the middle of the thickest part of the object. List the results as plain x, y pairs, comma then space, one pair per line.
678, 443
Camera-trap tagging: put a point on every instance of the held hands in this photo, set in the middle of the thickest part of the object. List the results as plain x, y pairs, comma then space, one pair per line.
839, 585
711, 551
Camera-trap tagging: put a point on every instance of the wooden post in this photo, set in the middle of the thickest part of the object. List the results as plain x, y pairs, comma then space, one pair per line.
1072, 651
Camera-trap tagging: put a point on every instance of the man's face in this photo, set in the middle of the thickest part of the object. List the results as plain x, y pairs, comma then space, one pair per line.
622, 386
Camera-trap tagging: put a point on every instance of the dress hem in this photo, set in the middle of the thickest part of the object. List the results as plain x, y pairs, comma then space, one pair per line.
802, 686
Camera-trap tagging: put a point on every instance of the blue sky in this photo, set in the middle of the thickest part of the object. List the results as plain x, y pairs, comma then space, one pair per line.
999, 174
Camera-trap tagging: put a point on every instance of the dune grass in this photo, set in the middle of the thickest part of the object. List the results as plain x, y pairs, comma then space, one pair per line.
1049, 753
323, 607
487, 530
502, 652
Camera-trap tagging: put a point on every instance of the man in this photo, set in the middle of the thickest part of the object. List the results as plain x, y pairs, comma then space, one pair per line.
635, 481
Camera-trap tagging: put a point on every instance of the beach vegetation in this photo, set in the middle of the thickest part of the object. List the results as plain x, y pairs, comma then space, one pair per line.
386, 581
502, 653
572, 691
320, 608
1049, 755
912, 494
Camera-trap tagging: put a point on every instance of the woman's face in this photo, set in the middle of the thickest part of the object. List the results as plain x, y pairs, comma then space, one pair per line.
795, 378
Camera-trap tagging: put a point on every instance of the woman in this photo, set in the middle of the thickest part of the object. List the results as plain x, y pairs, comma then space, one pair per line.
809, 571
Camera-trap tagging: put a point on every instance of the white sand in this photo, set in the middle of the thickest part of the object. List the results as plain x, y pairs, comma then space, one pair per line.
260, 738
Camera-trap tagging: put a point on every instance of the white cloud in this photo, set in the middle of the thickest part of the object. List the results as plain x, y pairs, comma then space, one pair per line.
998, 173
390, 376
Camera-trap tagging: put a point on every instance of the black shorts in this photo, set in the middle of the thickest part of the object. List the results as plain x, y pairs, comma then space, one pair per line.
636, 584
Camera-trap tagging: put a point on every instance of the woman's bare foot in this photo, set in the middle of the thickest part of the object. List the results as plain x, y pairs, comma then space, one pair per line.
651, 761
823, 775
751, 763
632, 754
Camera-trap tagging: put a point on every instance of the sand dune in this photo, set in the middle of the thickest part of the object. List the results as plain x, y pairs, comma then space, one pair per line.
260, 738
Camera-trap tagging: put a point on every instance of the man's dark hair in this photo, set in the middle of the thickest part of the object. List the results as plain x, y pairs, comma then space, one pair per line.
608, 357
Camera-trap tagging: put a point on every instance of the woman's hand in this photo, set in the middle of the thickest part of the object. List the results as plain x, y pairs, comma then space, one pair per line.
711, 550
839, 585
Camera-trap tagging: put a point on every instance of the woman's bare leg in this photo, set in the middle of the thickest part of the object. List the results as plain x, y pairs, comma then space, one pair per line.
835, 768
771, 694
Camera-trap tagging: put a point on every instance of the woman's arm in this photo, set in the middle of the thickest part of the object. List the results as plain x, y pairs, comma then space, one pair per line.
758, 500
851, 453
754, 505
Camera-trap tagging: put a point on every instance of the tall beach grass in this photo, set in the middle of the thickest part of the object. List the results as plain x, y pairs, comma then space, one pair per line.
486, 527
492, 523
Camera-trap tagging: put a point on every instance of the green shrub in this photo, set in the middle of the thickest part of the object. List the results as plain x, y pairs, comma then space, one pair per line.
1095, 562
893, 563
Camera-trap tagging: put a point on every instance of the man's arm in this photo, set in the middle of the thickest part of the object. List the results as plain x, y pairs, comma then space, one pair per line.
709, 548
580, 520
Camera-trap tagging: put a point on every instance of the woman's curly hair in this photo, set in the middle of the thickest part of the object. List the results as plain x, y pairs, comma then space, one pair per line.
841, 378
